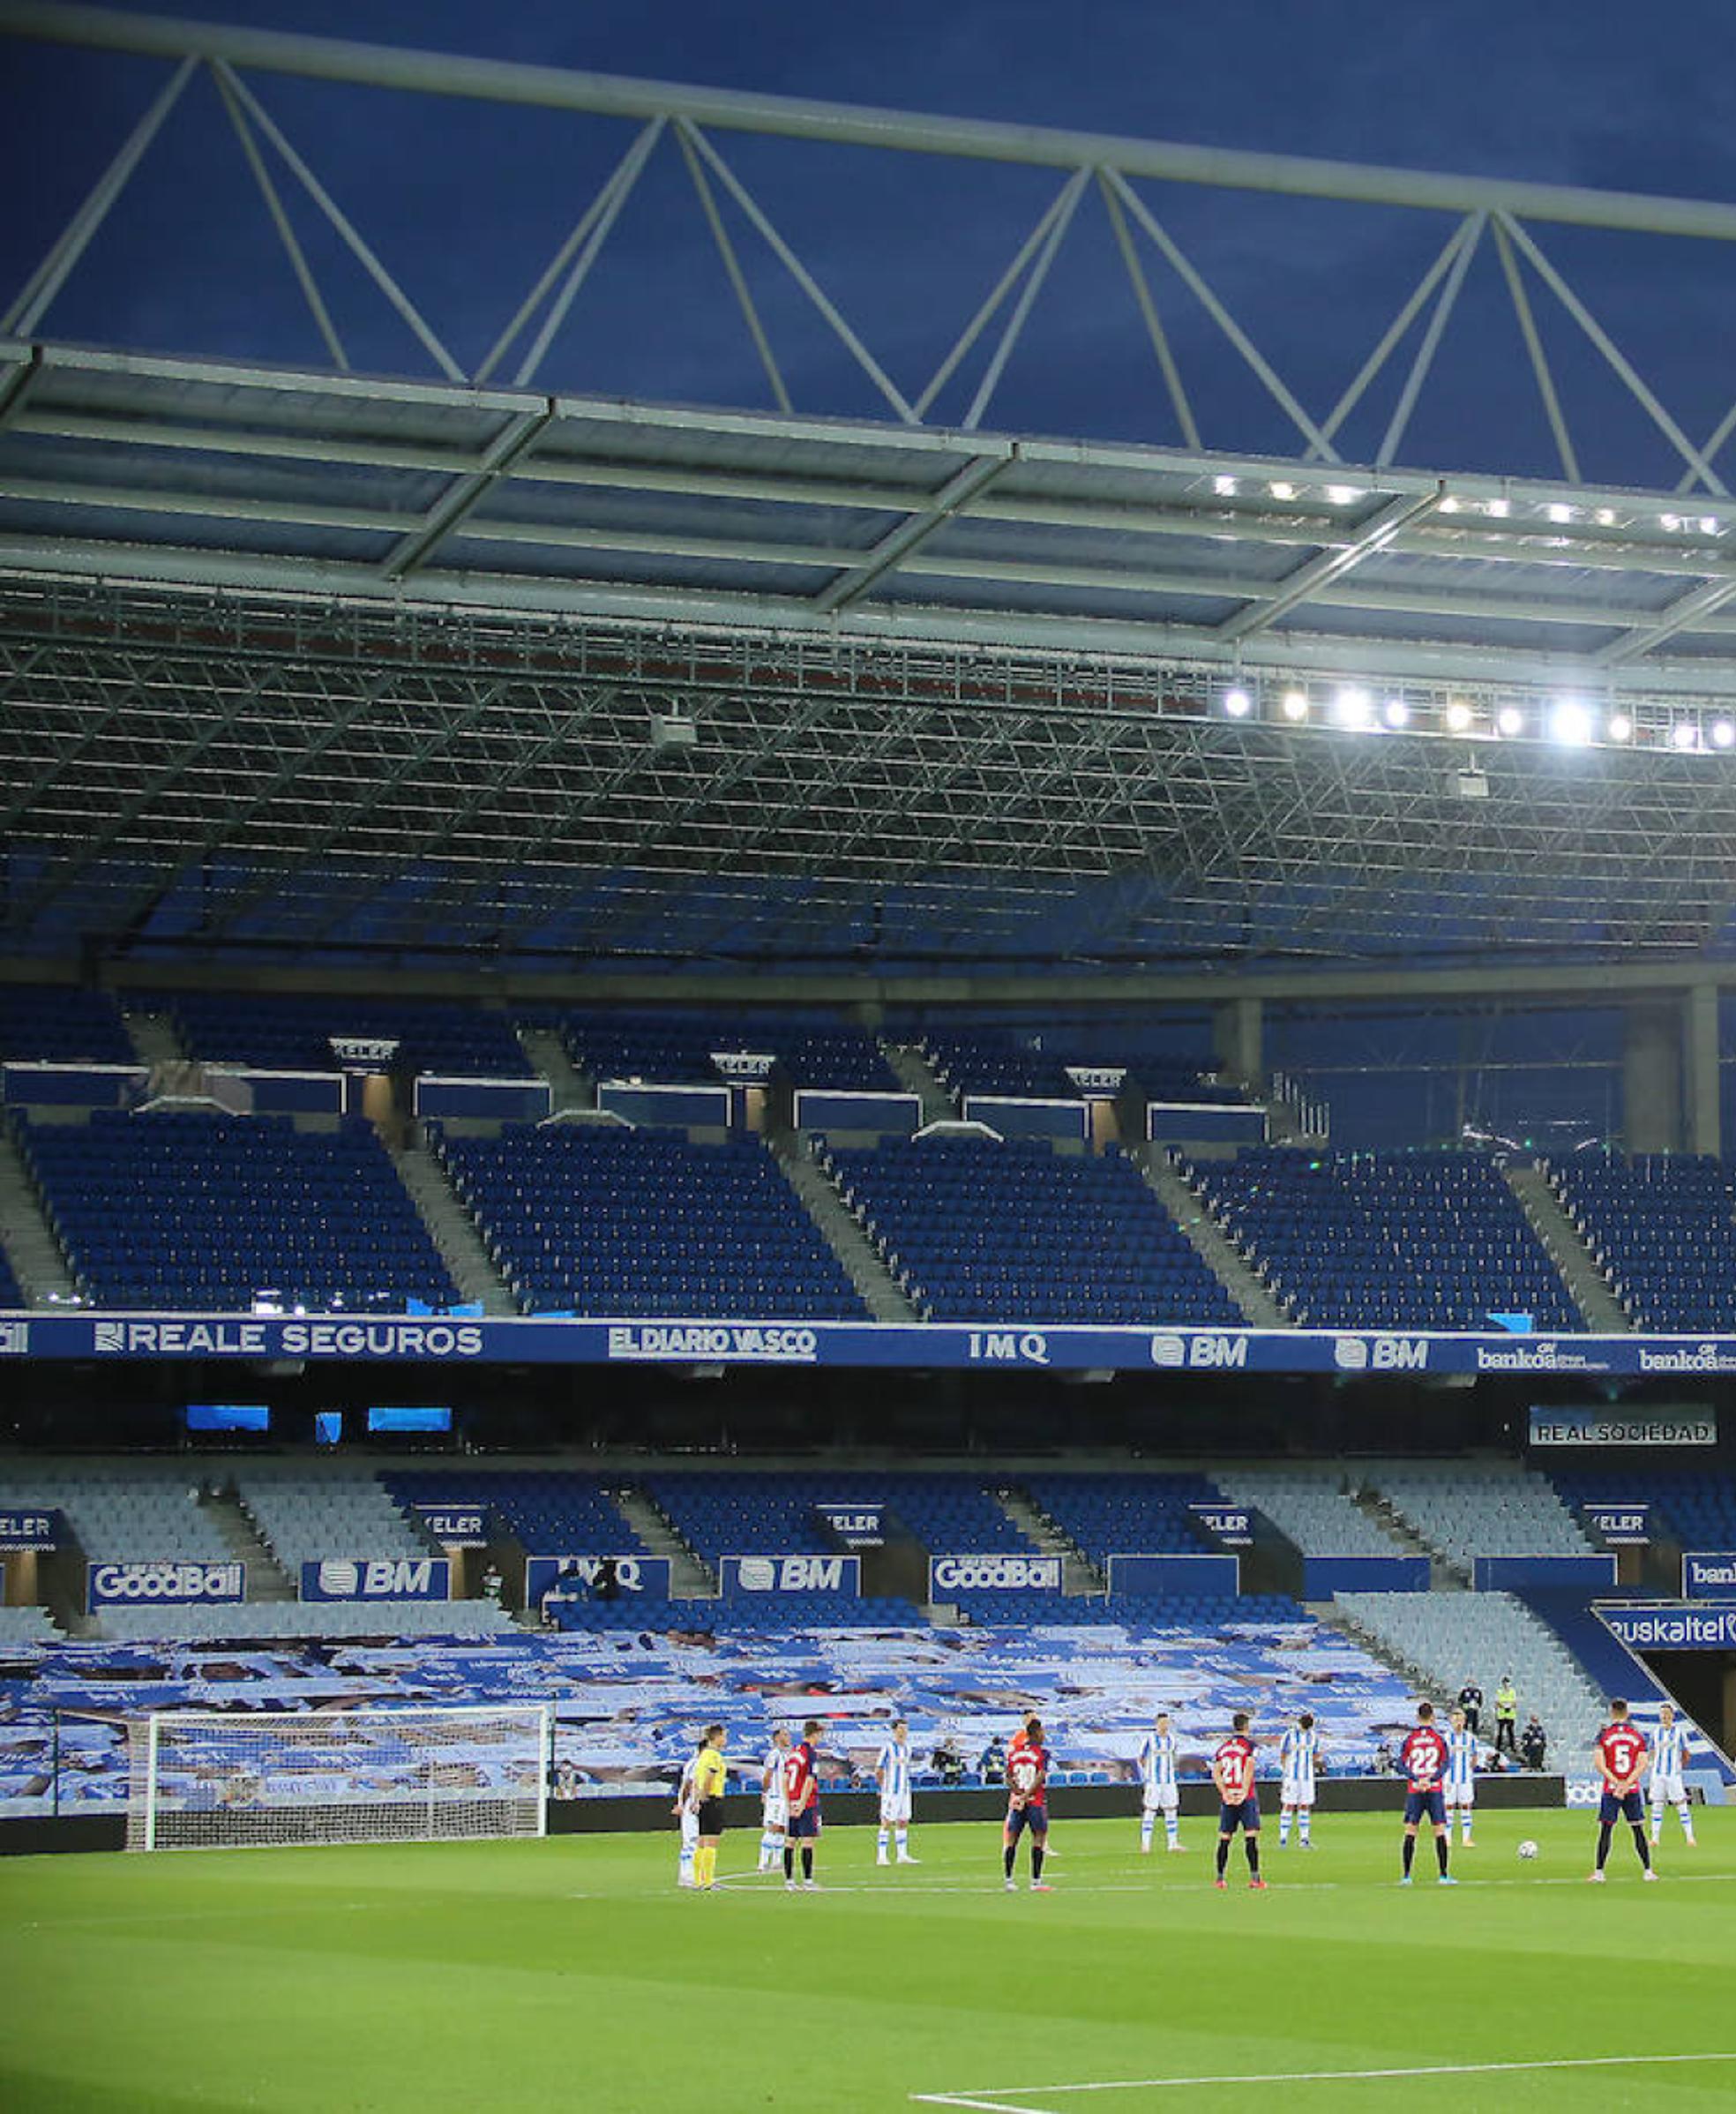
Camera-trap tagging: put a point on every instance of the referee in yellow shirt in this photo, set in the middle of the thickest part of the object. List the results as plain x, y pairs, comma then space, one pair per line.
711, 1775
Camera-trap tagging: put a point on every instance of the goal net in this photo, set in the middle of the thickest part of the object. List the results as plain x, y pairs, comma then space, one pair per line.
210, 1779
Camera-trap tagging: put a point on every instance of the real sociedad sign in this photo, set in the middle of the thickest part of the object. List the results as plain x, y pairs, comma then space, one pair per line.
456, 1525
377, 1578
1623, 1427
166, 1585
1621, 1525
648, 1575
940, 1345
1703, 1629
31, 1526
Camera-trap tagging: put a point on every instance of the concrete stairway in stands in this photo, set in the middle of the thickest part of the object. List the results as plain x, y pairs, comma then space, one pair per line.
880, 1290
1584, 1281
155, 1037
31, 1248
266, 1578
1209, 1240
1079, 1574
453, 1231
917, 1076
548, 1052
690, 1577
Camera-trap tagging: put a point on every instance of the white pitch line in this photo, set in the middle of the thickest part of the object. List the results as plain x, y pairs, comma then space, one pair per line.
988, 2105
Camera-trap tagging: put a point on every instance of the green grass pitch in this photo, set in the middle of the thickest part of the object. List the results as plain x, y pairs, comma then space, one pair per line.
571, 1973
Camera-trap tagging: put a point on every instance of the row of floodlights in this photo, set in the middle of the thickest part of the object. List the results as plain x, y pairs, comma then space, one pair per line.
1560, 513
1568, 721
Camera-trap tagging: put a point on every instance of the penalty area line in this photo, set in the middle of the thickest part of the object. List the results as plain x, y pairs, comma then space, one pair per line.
989, 2102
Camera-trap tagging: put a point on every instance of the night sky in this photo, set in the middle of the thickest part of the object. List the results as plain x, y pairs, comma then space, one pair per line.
465, 202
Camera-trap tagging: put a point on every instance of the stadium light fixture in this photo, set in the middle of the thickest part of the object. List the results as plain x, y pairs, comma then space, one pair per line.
1560, 511
1296, 704
1224, 486
1498, 510
1510, 722
1571, 724
1352, 707
1343, 495
1282, 490
1621, 727
1395, 712
1685, 734
1458, 716
1723, 733
1237, 703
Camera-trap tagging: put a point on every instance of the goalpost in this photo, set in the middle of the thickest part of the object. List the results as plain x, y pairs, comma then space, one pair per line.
223, 1780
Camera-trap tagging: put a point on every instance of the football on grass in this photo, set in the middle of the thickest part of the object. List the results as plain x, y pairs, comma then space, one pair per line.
1528, 1849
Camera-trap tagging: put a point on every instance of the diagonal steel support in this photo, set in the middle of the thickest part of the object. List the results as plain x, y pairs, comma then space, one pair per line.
1374, 535
1396, 330
564, 256
1719, 434
1432, 336
299, 262
1021, 308
39, 291
16, 385
799, 272
950, 501
1545, 380
514, 441
1147, 309
737, 278
997, 293
1618, 361
365, 256
1681, 616
1263, 370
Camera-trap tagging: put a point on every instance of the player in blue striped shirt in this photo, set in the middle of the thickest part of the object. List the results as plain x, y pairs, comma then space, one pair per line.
892, 1771
1298, 1751
1669, 1754
1157, 1758
1460, 1782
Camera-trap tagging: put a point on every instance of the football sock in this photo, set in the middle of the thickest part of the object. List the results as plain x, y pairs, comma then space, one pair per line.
885, 1839
903, 1839
705, 1863
1641, 1845
1409, 1851
1464, 1827
807, 1861
1283, 1828
789, 1862
1302, 1820
1440, 1853
1007, 1856
1686, 1820
1251, 1844
1223, 1854
1603, 1833
1172, 1828
1036, 1861
1147, 1822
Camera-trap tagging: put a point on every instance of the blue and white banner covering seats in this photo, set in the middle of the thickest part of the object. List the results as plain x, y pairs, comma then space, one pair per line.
790, 1574
986, 1573
629, 1704
171, 1584
456, 1525
646, 1575
29, 1526
1709, 1574
377, 1578
1621, 1525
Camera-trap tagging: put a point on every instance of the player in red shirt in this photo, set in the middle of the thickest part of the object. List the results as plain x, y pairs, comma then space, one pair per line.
1027, 1804
801, 1783
1238, 1806
1621, 1754
1423, 1759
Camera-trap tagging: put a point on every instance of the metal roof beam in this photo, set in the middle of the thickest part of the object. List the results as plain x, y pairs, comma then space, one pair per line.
555, 88
953, 497
1330, 566
514, 440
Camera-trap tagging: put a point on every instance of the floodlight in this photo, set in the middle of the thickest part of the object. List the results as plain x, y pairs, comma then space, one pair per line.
1458, 716
1282, 490
1237, 703
1509, 721
1225, 487
1621, 727
1296, 704
1342, 495
1352, 707
1723, 733
1709, 524
1685, 734
1557, 511
1605, 517
1571, 723
1498, 510
1395, 712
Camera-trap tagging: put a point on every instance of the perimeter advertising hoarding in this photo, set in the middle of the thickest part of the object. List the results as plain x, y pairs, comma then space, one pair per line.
166, 1584
458, 1340
1708, 1574
377, 1578
1622, 1525
29, 1526
647, 1575
790, 1574
1709, 1627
